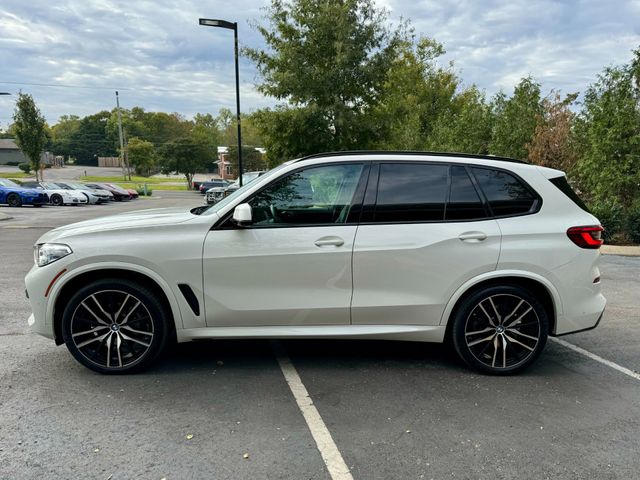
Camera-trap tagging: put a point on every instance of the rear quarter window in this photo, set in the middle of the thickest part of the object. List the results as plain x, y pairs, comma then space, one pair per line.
564, 187
506, 194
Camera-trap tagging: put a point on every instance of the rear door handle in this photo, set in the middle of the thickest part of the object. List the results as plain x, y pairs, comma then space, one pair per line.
329, 242
472, 237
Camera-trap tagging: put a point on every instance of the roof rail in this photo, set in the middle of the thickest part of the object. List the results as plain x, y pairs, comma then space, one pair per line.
411, 152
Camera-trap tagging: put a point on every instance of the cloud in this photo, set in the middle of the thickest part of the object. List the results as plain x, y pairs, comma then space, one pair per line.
155, 53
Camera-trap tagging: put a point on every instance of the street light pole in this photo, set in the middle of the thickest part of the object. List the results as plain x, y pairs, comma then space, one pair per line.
122, 153
208, 22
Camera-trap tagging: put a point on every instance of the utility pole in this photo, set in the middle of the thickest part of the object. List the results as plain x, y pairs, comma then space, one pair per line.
125, 168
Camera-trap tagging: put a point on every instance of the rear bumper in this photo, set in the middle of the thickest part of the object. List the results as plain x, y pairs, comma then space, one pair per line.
582, 330
582, 316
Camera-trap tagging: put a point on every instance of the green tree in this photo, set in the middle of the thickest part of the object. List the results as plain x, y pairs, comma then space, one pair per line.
62, 132
608, 129
29, 126
293, 132
228, 132
142, 155
415, 95
188, 155
252, 159
328, 61
516, 119
91, 140
467, 127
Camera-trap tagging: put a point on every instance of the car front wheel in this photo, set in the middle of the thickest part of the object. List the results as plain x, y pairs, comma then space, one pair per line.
115, 326
56, 200
14, 200
500, 329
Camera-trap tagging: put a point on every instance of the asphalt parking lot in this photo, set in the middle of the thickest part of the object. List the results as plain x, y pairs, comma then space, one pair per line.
394, 410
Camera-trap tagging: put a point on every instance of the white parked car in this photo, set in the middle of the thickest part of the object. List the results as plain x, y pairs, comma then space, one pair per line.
94, 196
490, 254
57, 195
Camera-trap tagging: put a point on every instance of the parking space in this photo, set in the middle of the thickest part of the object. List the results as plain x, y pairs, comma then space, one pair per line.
393, 410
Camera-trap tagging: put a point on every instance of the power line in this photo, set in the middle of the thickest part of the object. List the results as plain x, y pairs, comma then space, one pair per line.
63, 86
148, 89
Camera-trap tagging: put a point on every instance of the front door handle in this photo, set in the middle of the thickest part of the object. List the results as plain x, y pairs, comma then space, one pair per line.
329, 242
472, 237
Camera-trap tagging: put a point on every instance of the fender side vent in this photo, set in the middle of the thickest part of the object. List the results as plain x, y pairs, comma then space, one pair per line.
190, 297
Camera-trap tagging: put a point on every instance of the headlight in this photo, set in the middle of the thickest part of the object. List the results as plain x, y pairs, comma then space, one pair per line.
47, 253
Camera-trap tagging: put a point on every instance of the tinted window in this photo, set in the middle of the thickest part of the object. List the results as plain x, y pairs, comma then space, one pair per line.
506, 194
316, 195
411, 192
464, 201
564, 187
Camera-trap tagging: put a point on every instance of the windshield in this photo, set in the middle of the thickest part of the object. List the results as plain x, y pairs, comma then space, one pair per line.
50, 186
5, 182
246, 178
231, 198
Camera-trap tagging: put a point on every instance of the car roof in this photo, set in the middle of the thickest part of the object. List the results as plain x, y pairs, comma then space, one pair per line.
410, 153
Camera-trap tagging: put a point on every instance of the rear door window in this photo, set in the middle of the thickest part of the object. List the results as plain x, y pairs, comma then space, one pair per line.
411, 192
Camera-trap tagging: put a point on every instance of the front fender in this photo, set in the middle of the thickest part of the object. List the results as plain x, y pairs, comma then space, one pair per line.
58, 286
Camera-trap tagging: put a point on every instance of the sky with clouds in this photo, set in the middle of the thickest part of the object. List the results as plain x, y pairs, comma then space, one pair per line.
155, 53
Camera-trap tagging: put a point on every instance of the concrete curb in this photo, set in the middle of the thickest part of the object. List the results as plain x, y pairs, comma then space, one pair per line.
625, 250
4, 216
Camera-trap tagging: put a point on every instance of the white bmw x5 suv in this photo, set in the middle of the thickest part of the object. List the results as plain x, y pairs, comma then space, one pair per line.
488, 253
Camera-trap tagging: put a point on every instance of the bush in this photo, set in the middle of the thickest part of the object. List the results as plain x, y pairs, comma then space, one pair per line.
611, 216
140, 191
633, 222
12, 164
25, 167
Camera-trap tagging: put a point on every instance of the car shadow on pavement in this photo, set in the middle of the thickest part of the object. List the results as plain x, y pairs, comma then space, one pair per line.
207, 353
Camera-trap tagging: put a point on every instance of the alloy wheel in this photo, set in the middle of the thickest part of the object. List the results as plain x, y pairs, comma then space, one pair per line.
112, 329
14, 201
502, 331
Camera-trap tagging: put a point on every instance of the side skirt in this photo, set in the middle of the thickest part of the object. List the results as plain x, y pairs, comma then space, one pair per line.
412, 333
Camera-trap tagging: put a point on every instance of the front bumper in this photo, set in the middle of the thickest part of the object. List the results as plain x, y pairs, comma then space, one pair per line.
41, 283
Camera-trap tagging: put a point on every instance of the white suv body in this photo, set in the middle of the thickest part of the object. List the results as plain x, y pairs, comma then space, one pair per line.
405, 246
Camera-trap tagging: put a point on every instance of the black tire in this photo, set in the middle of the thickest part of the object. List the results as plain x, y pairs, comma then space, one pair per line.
56, 200
14, 200
140, 335
500, 330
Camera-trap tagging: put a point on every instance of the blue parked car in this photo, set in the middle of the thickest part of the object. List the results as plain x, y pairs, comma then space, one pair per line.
15, 196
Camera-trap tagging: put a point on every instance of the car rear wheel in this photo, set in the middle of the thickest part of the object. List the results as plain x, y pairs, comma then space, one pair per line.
500, 329
14, 200
115, 326
56, 200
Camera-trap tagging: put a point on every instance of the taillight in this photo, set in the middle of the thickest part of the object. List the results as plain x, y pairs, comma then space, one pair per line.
586, 237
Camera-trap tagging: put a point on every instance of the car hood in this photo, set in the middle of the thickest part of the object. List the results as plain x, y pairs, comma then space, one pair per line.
130, 220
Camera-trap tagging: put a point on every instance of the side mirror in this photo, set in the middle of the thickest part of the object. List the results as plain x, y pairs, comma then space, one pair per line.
242, 215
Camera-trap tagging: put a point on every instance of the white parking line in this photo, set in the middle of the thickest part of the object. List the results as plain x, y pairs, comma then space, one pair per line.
597, 358
338, 470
